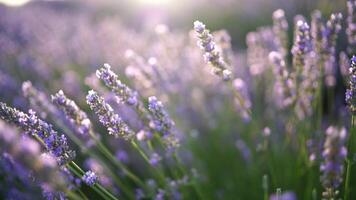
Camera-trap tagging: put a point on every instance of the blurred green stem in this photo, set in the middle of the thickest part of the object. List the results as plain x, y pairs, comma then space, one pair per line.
349, 161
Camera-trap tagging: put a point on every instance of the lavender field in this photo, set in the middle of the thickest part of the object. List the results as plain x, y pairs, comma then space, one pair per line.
175, 100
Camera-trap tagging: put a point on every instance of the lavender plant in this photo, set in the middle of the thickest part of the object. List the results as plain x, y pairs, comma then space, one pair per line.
252, 130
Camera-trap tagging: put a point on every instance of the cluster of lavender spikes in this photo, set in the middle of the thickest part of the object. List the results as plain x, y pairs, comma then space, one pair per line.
76, 116
350, 95
26, 160
56, 144
212, 56
114, 124
334, 154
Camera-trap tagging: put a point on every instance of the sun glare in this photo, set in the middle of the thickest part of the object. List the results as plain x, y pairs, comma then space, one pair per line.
14, 2
155, 2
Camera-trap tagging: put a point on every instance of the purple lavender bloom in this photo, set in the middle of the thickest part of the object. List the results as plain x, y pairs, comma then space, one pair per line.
344, 64
351, 26
90, 178
350, 95
139, 194
38, 100
332, 28
280, 29
334, 154
302, 44
31, 124
288, 195
284, 85
76, 116
212, 55
162, 122
122, 156
155, 159
114, 124
123, 92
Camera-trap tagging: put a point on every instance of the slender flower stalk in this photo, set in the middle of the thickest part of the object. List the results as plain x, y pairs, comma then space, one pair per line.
332, 168
113, 123
56, 144
212, 56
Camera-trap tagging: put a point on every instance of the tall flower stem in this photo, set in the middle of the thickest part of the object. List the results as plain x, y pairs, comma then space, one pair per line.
349, 162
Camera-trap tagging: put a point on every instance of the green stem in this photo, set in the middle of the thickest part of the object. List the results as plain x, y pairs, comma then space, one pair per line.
349, 161
97, 187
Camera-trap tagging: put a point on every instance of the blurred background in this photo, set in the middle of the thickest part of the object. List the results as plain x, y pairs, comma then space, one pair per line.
236, 16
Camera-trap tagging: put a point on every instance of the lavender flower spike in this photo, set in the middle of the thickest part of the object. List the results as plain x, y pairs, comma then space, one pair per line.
90, 178
212, 55
162, 122
284, 85
30, 123
114, 124
334, 155
301, 46
76, 116
280, 29
350, 95
351, 26
124, 93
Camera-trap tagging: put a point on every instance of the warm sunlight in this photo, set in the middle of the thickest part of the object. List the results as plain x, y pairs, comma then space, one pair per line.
14, 2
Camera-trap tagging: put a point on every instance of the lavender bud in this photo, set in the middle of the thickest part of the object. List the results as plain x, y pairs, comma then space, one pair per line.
113, 123
155, 159
350, 95
211, 54
90, 178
